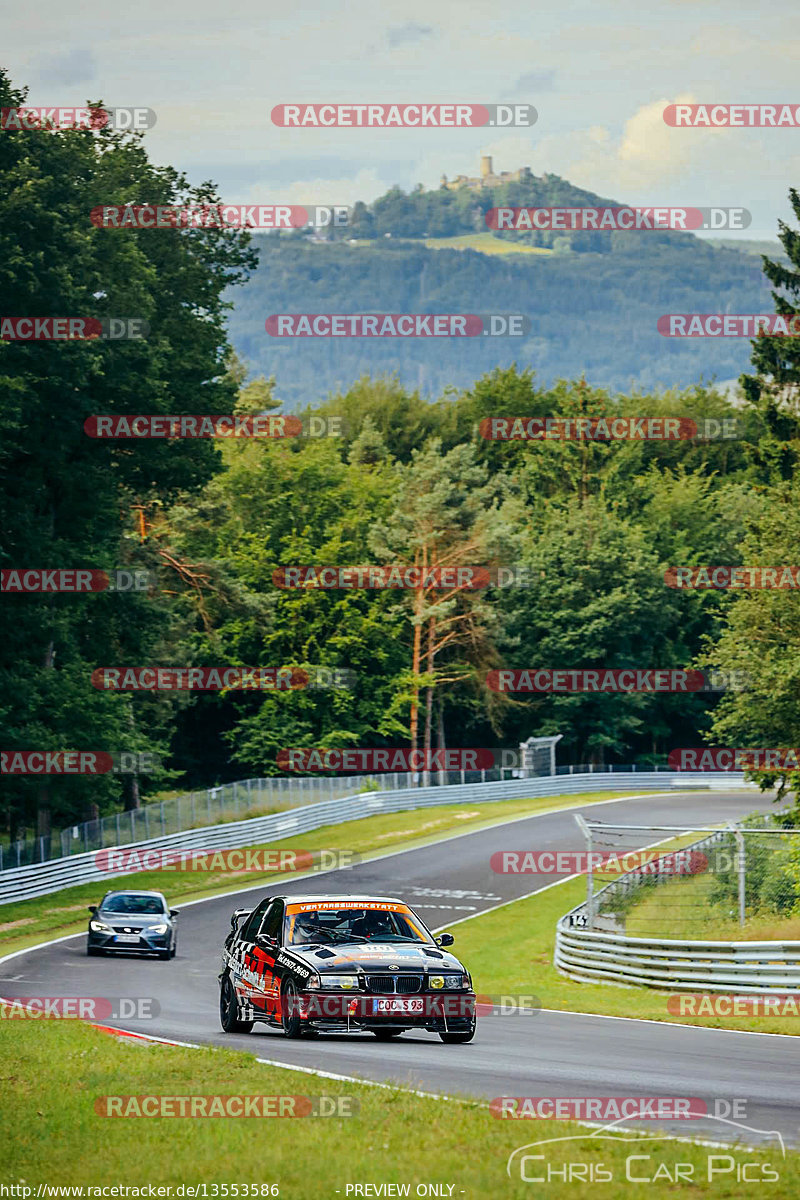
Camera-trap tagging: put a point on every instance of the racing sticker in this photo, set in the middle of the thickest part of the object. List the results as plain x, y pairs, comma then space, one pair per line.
286, 961
341, 905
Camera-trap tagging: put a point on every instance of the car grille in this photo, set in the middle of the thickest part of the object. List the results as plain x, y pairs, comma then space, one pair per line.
394, 983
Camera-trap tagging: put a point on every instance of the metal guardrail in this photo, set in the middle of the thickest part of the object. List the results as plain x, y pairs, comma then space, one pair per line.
41, 879
678, 965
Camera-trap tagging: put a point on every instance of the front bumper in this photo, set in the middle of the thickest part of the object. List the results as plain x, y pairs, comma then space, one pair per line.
144, 943
435, 1011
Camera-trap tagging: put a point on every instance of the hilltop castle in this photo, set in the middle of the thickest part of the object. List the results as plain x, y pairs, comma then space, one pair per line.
487, 177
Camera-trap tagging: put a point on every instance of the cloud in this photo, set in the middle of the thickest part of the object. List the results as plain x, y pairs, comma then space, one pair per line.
367, 185
74, 66
402, 35
534, 81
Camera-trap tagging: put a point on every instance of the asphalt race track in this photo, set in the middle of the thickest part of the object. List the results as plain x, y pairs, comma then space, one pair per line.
547, 1054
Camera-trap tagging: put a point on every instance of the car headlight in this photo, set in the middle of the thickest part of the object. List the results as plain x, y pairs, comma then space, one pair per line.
436, 981
312, 982
99, 927
157, 928
345, 982
454, 981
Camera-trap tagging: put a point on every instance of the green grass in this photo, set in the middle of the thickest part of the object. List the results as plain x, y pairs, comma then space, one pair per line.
28, 922
682, 908
52, 1072
510, 952
484, 243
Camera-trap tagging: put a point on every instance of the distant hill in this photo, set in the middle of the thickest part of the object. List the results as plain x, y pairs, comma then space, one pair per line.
593, 298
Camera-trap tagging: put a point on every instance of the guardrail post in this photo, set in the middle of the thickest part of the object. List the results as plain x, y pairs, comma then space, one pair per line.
146, 811
117, 828
742, 869
587, 833
235, 799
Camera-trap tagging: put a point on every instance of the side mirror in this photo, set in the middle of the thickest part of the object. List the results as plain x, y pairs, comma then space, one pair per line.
265, 942
173, 912
445, 939
92, 908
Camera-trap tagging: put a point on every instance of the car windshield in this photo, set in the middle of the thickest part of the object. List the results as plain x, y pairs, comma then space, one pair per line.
327, 926
133, 905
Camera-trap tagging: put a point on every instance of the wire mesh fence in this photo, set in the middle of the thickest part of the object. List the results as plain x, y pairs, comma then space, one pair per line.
694, 884
254, 797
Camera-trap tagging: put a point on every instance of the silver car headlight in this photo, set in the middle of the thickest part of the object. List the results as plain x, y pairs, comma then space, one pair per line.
99, 927
345, 982
454, 981
157, 928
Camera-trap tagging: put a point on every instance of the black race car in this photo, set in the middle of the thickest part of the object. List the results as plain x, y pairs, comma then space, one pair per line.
139, 921
308, 964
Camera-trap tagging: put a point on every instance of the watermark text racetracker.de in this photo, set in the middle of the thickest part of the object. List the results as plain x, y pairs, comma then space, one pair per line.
78, 762
143, 426
728, 325
616, 219
122, 860
76, 580
81, 1008
736, 578
73, 329
216, 679
219, 216
205, 1106
402, 116
28, 117
397, 325
606, 429
621, 680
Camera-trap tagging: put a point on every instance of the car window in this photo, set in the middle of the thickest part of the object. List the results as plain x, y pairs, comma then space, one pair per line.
250, 927
374, 924
273, 918
133, 905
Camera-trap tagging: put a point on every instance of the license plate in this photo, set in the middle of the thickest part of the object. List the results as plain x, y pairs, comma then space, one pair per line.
127, 937
398, 1004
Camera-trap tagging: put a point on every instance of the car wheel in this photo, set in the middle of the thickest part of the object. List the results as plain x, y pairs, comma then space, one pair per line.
290, 1010
174, 950
384, 1035
92, 951
229, 1009
164, 954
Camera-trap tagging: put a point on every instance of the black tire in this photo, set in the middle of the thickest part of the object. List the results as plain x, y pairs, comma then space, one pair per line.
164, 954
385, 1035
290, 1011
229, 1009
174, 950
92, 951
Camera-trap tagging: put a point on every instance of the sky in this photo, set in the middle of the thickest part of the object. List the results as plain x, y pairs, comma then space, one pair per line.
599, 76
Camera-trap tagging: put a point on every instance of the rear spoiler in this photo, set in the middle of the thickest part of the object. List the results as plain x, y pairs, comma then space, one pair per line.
239, 912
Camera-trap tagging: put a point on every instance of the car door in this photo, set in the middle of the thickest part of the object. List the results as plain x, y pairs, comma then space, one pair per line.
243, 960
266, 954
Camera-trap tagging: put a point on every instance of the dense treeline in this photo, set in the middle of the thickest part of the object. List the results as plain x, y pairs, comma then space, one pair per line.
405, 481
592, 313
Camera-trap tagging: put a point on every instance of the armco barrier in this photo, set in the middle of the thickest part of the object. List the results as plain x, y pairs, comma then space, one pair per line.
40, 879
678, 966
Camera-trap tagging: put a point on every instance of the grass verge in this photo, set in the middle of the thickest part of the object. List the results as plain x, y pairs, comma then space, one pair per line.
29, 922
52, 1073
510, 952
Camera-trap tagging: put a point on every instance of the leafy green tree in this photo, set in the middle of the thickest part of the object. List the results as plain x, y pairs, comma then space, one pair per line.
69, 500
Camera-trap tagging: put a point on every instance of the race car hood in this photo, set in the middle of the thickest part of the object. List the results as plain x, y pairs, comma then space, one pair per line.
376, 956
